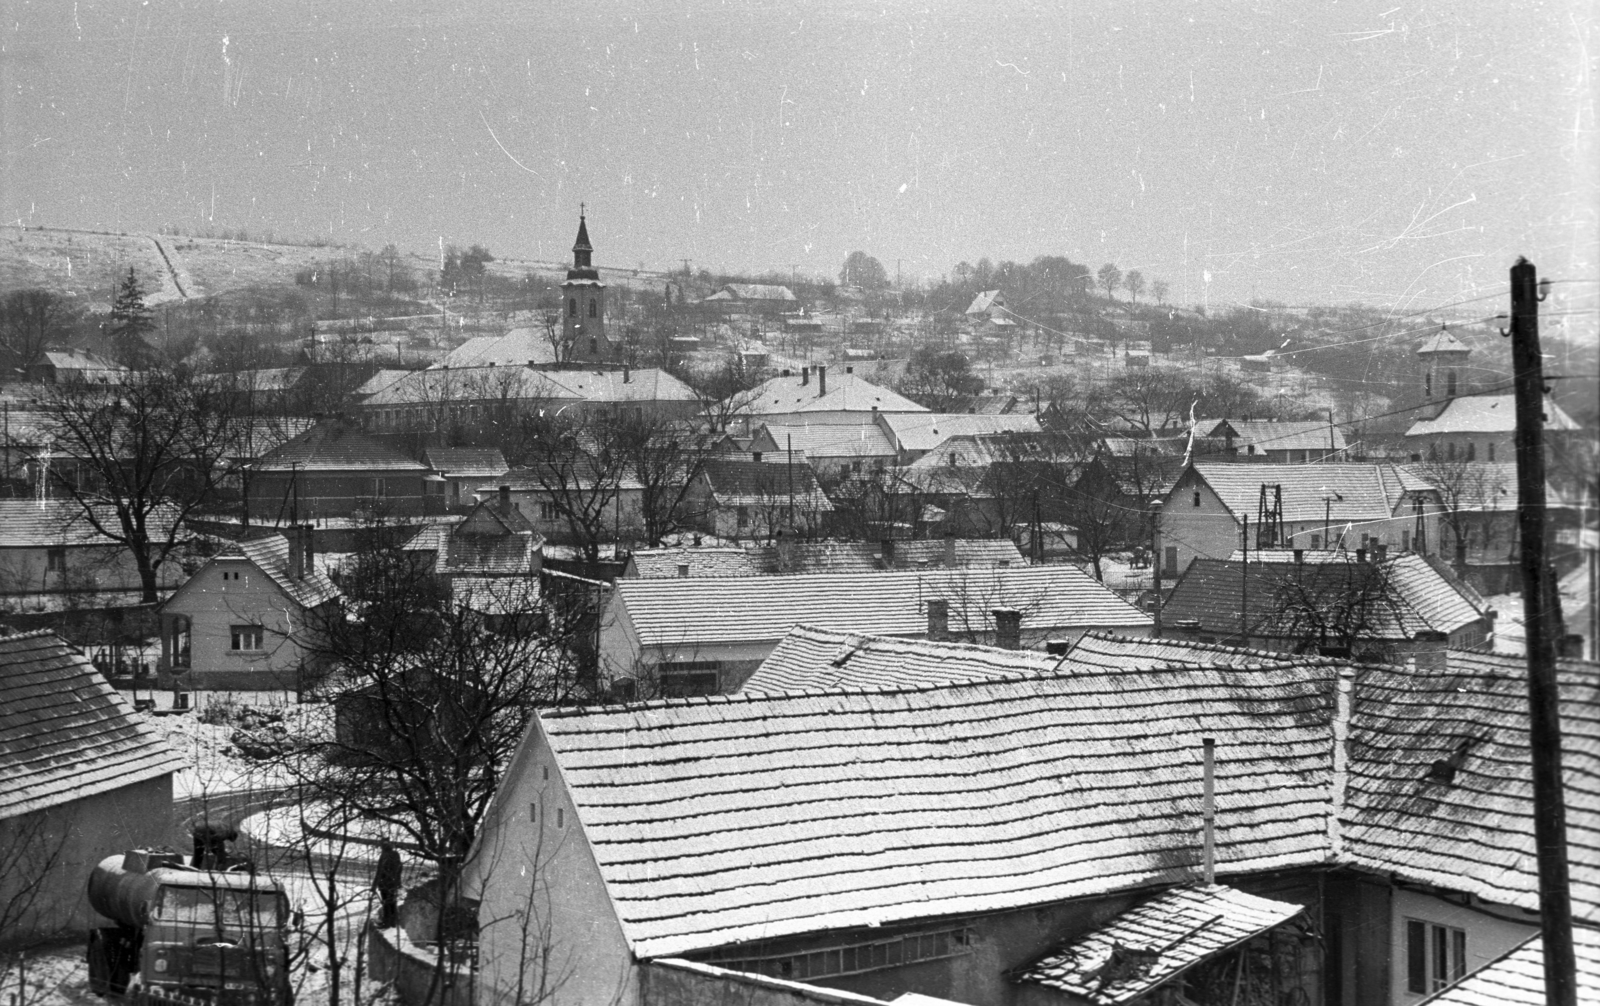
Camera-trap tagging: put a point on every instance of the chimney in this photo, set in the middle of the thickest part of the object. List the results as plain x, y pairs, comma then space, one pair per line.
822, 380
1431, 653
624, 371
1570, 646
1007, 628
785, 552
949, 550
1300, 555
849, 370
1057, 647
505, 500
1361, 555
297, 553
1208, 808
805, 376
886, 549
308, 551
1380, 552
755, 455
938, 619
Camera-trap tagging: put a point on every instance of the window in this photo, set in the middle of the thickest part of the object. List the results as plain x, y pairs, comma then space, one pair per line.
1435, 956
1451, 449
1472, 451
1316, 542
572, 306
742, 515
55, 560
1491, 450
547, 511
1405, 541
533, 813
380, 489
1427, 384
244, 637
594, 309
1169, 562
1450, 384
690, 677
594, 347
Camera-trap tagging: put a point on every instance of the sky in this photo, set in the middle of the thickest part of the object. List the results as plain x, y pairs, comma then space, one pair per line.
1321, 152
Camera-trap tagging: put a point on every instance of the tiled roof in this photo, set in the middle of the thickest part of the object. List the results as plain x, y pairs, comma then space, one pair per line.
925, 431
660, 563
1017, 446
1424, 583
1285, 436
489, 543
761, 483
517, 348
474, 384
496, 595
65, 733
1361, 492
1442, 342
1475, 832
1392, 600
985, 300
813, 660
1109, 652
1169, 934
827, 440
77, 359
864, 557
26, 523
377, 382
894, 603
1486, 414
541, 479
1483, 486
647, 384
760, 291
754, 817
467, 462
336, 446
266, 378
1516, 978
271, 556
846, 393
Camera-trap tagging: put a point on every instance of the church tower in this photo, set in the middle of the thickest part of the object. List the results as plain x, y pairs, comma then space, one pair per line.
1441, 369
583, 319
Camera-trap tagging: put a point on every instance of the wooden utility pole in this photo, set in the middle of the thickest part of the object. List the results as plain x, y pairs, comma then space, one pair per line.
1542, 618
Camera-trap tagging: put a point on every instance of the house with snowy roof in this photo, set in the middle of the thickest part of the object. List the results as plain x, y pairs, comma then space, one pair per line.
706, 635
801, 398
81, 774
1213, 505
248, 618
1029, 838
1274, 441
336, 470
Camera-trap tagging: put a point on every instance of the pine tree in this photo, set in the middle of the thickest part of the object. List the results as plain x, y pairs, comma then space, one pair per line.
131, 318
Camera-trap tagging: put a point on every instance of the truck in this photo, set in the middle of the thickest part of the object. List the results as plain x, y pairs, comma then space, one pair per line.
187, 932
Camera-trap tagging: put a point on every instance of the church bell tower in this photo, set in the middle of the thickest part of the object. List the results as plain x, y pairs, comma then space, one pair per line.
583, 315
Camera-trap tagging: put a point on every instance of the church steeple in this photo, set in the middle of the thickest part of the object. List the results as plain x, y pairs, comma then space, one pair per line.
582, 267
584, 321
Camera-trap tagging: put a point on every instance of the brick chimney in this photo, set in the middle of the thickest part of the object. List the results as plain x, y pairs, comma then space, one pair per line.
1007, 628
297, 553
805, 376
1570, 646
505, 501
950, 550
822, 380
938, 619
1380, 552
1432, 653
308, 551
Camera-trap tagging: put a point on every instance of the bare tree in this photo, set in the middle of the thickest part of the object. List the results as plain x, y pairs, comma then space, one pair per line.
1133, 282
32, 320
664, 461
1110, 277
139, 458
1159, 290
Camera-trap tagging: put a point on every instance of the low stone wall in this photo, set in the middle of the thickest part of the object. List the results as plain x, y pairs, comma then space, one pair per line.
411, 970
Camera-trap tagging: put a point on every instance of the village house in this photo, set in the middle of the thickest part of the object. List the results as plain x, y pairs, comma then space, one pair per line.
702, 636
75, 366
794, 399
464, 468
834, 450
335, 470
735, 498
864, 844
1310, 507
482, 397
1367, 604
82, 776
687, 561
754, 299
612, 506
1479, 428
914, 434
788, 554
248, 618
1275, 442
52, 557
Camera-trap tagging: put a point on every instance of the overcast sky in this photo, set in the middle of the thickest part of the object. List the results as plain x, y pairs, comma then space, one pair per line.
1306, 152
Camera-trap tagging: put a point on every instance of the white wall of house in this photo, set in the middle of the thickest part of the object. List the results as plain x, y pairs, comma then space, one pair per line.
1488, 928
546, 916
75, 568
231, 591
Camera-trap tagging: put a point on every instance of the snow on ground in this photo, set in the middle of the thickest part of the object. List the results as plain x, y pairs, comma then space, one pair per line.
1509, 636
213, 764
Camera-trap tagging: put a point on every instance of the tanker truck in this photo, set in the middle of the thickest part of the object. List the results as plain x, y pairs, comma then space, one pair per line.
182, 931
